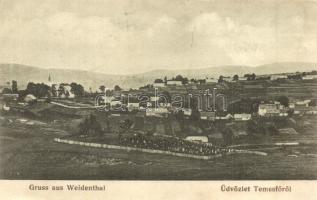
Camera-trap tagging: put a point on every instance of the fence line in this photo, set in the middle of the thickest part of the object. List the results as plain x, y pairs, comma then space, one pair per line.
74, 107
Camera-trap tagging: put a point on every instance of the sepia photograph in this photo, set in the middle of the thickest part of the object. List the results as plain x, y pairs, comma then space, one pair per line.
158, 90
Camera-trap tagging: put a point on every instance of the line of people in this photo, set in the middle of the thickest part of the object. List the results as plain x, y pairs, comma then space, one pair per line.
171, 144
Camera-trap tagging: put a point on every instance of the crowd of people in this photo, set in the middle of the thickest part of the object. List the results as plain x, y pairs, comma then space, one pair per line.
171, 144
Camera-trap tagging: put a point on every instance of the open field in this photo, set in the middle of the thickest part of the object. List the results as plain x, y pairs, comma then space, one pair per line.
29, 152
297, 89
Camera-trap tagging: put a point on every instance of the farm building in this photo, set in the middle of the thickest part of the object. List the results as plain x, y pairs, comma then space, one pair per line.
270, 109
197, 138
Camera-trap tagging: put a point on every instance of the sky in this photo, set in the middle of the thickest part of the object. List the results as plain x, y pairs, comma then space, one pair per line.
135, 36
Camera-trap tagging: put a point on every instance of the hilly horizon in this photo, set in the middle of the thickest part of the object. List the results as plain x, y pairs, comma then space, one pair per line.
24, 74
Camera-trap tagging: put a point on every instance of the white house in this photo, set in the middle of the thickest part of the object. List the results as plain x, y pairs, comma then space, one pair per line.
278, 76
243, 78
242, 117
228, 116
310, 77
11, 96
157, 85
170, 82
303, 103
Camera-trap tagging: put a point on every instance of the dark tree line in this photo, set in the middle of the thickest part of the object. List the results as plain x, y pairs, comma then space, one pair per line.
250, 77
77, 89
37, 89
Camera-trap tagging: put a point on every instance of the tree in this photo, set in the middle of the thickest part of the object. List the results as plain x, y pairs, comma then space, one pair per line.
117, 88
179, 78
184, 80
220, 80
6, 91
283, 100
250, 77
37, 89
253, 76
14, 87
165, 79
158, 81
193, 80
77, 89
236, 77
102, 88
